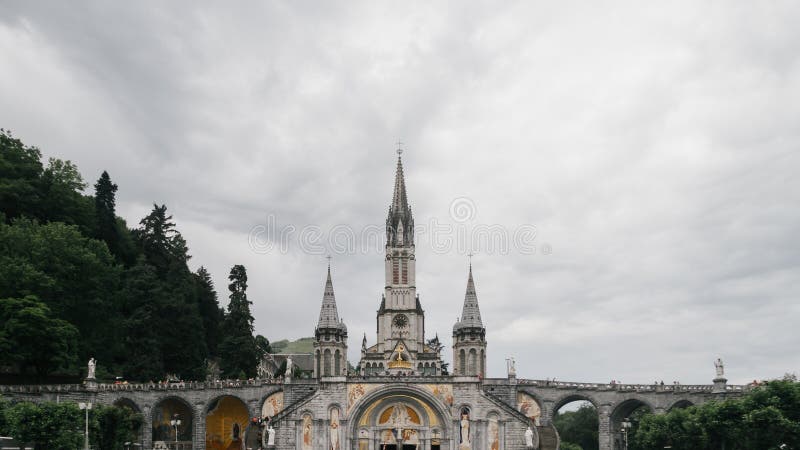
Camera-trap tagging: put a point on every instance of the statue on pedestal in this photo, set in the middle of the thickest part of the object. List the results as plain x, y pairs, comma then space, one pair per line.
720, 368
90, 369
529, 438
511, 365
289, 368
271, 435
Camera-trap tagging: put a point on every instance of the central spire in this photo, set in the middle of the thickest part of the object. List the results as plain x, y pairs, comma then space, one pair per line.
400, 222
399, 198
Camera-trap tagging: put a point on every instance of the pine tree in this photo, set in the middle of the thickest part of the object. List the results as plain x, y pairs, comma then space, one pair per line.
158, 239
210, 311
105, 213
180, 334
238, 351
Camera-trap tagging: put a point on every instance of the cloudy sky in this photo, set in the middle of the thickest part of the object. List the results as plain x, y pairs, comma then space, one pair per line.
635, 165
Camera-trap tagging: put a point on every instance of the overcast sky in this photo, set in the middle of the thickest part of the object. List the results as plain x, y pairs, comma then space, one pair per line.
653, 149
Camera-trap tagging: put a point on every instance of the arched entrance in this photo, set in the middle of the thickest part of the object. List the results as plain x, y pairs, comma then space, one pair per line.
576, 418
680, 404
129, 404
167, 432
227, 419
629, 411
400, 419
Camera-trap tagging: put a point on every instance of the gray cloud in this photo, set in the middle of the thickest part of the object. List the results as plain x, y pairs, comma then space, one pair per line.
653, 147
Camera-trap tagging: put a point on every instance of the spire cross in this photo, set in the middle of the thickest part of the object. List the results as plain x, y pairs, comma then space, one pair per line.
470, 255
399, 147
329, 261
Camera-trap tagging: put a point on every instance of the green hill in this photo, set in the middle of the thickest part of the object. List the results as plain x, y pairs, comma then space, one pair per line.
302, 345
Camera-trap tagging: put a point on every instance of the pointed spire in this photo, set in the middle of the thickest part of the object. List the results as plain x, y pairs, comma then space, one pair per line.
328, 314
471, 313
400, 223
399, 197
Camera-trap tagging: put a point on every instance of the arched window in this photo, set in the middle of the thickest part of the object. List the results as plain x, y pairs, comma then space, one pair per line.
483, 363
318, 362
337, 364
327, 363
462, 363
473, 362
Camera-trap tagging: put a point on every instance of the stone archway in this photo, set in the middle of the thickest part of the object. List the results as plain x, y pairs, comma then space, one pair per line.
227, 419
629, 409
680, 404
165, 435
399, 419
125, 402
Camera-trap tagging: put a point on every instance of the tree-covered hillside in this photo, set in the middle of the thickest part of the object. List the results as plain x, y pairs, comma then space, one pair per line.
76, 282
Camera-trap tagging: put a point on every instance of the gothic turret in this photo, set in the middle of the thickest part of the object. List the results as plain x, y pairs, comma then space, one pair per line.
469, 336
330, 337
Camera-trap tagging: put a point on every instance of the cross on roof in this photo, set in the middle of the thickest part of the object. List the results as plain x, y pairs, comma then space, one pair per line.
399, 147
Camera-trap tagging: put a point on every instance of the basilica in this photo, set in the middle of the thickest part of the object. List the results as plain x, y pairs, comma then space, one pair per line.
401, 395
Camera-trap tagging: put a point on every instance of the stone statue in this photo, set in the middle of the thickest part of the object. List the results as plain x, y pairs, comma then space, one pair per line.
271, 434
512, 367
529, 438
334, 430
720, 368
289, 368
465, 443
90, 369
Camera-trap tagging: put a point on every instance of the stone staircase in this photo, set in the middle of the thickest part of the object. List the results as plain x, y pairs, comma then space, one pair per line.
548, 437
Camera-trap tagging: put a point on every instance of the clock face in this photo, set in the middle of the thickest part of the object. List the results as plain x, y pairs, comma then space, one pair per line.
400, 321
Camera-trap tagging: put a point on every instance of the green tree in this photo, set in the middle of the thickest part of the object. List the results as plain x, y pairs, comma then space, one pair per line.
579, 427
238, 352
108, 227
73, 275
178, 323
159, 241
144, 297
31, 338
262, 345
569, 446
51, 426
765, 418
210, 311
61, 187
112, 426
20, 172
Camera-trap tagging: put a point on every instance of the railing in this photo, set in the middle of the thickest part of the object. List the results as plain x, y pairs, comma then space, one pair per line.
181, 385
227, 384
627, 387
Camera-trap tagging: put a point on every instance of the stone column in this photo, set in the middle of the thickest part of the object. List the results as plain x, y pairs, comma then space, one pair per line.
147, 427
606, 433
200, 427
546, 418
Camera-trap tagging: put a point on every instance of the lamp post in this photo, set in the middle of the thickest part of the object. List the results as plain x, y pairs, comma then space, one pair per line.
626, 426
175, 422
86, 407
